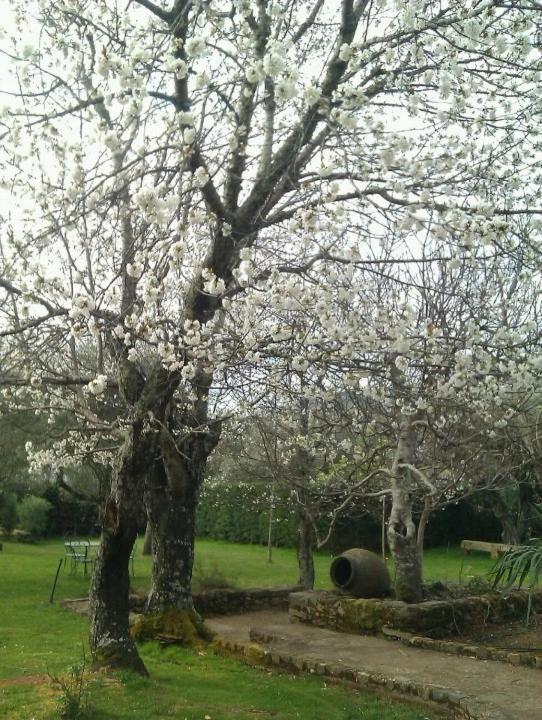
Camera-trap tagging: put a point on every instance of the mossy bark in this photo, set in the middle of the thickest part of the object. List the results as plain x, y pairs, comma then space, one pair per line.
183, 627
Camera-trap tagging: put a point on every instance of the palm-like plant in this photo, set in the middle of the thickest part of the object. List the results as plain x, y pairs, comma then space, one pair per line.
518, 567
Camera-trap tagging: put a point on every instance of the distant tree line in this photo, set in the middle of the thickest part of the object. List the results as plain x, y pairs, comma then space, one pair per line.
222, 516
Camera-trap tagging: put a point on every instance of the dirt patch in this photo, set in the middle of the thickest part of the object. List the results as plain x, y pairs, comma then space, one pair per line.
454, 591
512, 635
77, 605
24, 680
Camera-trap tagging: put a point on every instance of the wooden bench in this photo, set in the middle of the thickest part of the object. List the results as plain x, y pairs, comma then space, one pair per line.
494, 549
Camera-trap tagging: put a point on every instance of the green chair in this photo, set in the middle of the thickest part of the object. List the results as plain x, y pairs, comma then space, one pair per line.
79, 556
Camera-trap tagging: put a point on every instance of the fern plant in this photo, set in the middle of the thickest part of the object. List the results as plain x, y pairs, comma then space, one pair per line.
522, 566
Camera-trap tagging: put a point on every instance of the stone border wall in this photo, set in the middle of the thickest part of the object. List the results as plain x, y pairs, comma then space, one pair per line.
456, 706
480, 652
229, 601
433, 619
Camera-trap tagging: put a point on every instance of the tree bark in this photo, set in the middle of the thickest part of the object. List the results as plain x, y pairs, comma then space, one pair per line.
171, 497
305, 552
402, 536
512, 507
422, 523
302, 470
172, 518
110, 640
514, 527
270, 524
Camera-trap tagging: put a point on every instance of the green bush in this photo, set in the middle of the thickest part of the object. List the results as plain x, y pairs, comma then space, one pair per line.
33, 515
240, 513
8, 511
522, 566
210, 577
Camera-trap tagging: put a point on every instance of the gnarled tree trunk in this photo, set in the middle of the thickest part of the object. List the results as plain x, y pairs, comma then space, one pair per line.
171, 497
402, 536
172, 509
110, 639
514, 524
512, 507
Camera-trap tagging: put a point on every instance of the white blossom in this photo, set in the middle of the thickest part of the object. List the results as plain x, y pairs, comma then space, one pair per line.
196, 47
285, 89
201, 177
98, 385
346, 52
274, 63
311, 95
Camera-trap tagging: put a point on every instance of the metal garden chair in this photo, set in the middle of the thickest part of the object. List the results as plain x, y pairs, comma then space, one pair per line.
78, 555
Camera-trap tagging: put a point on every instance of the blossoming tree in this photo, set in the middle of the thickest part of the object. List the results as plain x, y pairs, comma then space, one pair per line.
409, 379
176, 164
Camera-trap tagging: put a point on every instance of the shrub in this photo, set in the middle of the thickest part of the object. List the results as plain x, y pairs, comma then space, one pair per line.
33, 515
8, 511
211, 577
522, 566
73, 701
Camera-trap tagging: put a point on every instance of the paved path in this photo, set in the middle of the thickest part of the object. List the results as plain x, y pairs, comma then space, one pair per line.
508, 692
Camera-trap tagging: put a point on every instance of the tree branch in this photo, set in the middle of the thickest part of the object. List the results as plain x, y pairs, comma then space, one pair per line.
155, 9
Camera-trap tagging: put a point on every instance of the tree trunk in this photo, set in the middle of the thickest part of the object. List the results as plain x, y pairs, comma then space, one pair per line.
110, 639
305, 553
172, 517
270, 524
147, 541
513, 527
171, 496
302, 470
402, 537
424, 519
512, 508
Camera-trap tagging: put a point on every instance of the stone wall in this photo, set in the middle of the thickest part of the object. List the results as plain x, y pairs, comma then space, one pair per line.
436, 618
16, 536
228, 601
480, 652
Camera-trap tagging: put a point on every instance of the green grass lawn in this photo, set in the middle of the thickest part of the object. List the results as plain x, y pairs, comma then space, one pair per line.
37, 638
